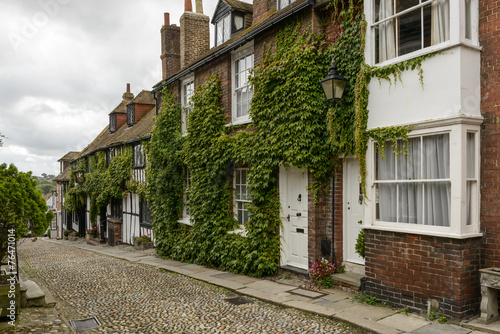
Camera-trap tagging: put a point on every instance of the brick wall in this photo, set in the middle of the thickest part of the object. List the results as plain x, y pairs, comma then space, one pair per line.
170, 50
489, 33
195, 36
121, 118
141, 110
407, 270
262, 9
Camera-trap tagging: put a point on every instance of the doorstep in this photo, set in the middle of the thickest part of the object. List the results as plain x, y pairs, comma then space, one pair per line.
348, 280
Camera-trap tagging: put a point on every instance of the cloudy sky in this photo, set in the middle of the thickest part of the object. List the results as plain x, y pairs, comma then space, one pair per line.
64, 65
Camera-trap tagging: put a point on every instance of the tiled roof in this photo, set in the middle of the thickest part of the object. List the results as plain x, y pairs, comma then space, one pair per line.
240, 5
144, 97
69, 156
64, 176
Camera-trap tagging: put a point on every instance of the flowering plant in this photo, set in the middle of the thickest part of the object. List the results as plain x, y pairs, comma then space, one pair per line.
93, 231
143, 238
321, 272
73, 233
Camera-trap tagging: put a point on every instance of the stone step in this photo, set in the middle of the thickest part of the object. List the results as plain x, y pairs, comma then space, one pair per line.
349, 280
32, 295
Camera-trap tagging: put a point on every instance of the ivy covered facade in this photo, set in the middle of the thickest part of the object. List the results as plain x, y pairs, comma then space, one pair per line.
249, 169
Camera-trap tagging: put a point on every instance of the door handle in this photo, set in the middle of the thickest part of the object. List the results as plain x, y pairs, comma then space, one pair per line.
360, 222
299, 214
288, 217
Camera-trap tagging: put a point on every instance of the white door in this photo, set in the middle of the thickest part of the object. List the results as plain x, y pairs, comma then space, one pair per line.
293, 195
353, 210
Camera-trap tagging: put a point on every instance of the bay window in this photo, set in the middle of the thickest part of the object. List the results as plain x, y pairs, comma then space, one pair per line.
405, 26
431, 186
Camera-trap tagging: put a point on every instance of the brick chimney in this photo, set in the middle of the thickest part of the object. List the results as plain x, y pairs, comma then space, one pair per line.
170, 48
195, 33
128, 96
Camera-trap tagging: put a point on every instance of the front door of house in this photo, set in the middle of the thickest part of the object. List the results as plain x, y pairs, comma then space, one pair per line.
293, 195
353, 210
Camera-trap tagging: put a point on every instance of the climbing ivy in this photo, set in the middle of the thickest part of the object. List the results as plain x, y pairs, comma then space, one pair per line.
101, 183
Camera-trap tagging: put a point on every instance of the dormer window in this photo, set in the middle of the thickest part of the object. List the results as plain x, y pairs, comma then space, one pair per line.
223, 30
131, 114
112, 123
283, 3
238, 22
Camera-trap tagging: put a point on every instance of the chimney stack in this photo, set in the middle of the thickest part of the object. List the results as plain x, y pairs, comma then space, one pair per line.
170, 48
128, 96
195, 33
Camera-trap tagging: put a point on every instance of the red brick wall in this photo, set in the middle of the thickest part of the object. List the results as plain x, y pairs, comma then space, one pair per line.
141, 110
489, 35
263, 9
121, 118
170, 50
339, 217
407, 270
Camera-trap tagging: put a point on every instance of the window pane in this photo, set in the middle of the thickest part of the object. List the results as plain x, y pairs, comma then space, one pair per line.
409, 166
410, 32
386, 163
405, 4
386, 199
219, 33
437, 204
436, 159
471, 155
468, 19
410, 203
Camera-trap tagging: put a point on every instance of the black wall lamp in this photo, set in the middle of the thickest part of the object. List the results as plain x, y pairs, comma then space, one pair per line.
334, 84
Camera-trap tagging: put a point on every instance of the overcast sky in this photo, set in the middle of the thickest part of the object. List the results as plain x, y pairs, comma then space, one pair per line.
64, 65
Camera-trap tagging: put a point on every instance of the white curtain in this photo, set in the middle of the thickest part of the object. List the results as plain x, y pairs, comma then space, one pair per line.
387, 45
416, 202
387, 192
440, 21
436, 165
410, 194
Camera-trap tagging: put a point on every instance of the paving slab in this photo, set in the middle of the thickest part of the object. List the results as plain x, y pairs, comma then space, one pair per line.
442, 329
406, 323
309, 307
340, 305
374, 326
269, 286
337, 295
272, 298
476, 325
370, 312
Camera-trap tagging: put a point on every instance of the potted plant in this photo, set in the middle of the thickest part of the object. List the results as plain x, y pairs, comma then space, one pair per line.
66, 234
72, 236
23, 210
92, 233
143, 242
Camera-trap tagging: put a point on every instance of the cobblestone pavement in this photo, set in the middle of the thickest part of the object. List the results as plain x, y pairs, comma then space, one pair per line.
128, 297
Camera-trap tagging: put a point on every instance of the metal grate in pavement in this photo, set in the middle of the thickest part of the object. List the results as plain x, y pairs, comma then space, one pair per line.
238, 300
84, 324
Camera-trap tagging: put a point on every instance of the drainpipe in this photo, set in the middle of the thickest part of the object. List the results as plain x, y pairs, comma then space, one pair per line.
334, 261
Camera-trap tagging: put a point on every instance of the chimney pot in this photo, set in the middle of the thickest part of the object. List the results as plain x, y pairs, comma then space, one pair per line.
188, 6
128, 88
167, 19
199, 6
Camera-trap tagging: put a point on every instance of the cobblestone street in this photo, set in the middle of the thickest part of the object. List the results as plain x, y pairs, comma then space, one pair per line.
128, 297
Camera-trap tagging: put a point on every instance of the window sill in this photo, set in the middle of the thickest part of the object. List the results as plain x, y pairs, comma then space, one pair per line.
423, 52
185, 221
240, 121
441, 232
240, 231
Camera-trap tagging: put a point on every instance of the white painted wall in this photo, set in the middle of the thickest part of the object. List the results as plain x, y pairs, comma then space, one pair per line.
451, 87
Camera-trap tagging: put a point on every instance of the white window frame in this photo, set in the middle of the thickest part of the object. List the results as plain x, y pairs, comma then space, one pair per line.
283, 3
457, 31
243, 52
458, 128
225, 24
186, 218
246, 202
187, 92
139, 156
